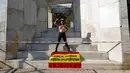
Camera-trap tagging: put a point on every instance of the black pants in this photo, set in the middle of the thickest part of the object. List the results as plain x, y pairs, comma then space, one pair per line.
62, 35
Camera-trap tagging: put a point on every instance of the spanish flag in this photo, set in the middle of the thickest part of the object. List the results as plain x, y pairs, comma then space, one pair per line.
64, 60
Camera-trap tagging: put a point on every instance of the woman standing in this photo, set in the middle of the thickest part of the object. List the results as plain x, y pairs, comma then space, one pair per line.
62, 29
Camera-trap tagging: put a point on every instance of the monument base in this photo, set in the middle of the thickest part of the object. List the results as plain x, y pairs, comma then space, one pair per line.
64, 60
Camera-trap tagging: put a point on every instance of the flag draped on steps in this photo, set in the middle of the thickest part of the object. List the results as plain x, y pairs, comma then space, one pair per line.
64, 60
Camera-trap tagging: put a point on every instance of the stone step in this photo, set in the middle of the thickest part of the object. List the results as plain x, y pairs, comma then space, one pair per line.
55, 29
55, 34
62, 47
44, 55
54, 40
87, 64
51, 29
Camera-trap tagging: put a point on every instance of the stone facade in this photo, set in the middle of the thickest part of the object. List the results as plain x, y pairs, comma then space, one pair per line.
105, 20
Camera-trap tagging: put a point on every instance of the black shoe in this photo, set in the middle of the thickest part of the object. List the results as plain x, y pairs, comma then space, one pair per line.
55, 50
69, 51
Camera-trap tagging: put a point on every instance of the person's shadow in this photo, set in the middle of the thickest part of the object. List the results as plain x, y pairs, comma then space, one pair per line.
72, 48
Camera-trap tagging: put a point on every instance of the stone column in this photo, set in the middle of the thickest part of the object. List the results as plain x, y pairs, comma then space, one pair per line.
76, 15
124, 26
50, 20
3, 24
125, 37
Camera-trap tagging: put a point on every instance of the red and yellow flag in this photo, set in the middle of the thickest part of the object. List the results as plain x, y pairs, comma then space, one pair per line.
64, 60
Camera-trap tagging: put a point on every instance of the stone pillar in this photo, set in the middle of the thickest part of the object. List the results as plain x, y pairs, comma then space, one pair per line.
50, 20
3, 24
14, 27
125, 37
124, 26
76, 15
20, 26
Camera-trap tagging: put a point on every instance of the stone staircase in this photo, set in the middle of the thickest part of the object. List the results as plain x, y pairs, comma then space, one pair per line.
53, 32
37, 54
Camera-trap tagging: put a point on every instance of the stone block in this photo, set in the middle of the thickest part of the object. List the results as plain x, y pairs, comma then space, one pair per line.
123, 3
40, 47
94, 55
124, 23
11, 55
42, 14
42, 4
21, 44
107, 2
30, 11
34, 55
2, 26
2, 37
126, 57
3, 13
19, 55
123, 13
28, 46
10, 35
15, 19
2, 55
11, 39
126, 47
40, 27
28, 32
16, 4
125, 34
2, 42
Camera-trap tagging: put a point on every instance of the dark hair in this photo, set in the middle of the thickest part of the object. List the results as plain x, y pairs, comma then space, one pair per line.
63, 21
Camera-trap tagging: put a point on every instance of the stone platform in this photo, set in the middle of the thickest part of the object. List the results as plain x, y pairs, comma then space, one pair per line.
64, 60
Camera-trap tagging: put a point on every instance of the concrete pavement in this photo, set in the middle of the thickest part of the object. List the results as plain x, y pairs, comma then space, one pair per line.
61, 70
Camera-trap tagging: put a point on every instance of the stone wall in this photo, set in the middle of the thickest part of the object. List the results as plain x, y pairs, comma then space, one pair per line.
110, 28
26, 20
101, 18
90, 19
42, 20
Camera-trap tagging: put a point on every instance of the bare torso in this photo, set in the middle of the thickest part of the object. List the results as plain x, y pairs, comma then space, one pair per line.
61, 28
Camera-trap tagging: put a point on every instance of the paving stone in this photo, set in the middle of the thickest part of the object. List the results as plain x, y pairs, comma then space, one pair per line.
57, 70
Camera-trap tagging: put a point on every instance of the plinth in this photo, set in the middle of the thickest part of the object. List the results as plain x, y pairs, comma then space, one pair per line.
64, 60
